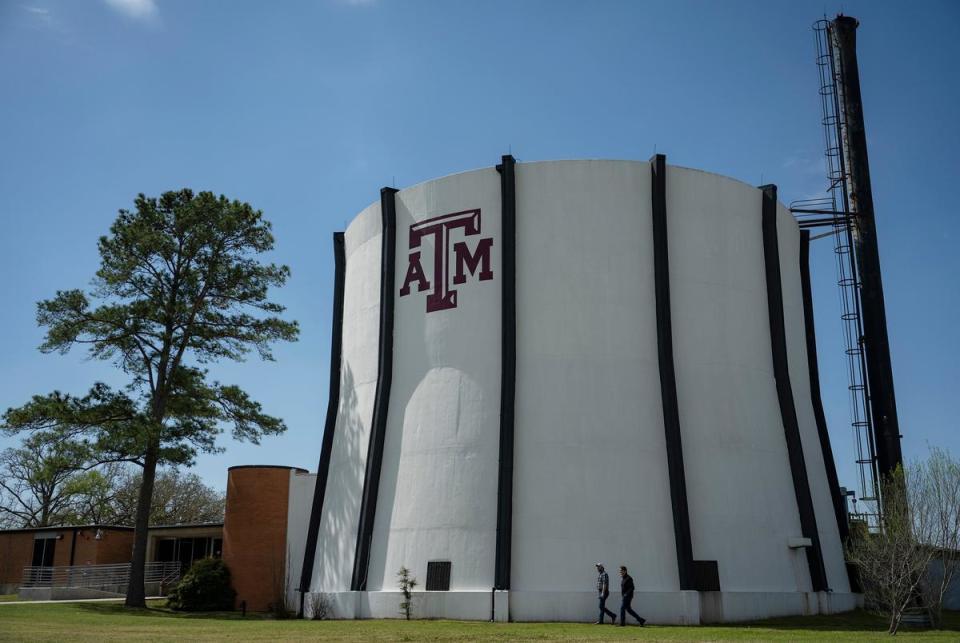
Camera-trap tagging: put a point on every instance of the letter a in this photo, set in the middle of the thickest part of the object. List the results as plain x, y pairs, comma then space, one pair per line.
414, 273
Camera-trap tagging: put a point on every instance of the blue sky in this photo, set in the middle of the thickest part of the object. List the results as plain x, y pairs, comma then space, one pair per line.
305, 109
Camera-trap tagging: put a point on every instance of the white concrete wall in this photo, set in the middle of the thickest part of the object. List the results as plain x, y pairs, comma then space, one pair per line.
336, 548
740, 492
438, 485
590, 469
299, 501
678, 608
673, 607
830, 545
590, 476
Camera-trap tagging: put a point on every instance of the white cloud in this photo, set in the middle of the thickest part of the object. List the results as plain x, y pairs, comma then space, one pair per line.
145, 10
805, 165
38, 13
40, 17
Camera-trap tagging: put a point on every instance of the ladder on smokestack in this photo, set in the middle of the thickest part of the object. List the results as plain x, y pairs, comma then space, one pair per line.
838, 212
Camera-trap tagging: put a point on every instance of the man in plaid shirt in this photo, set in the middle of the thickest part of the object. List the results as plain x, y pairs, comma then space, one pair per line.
603, 591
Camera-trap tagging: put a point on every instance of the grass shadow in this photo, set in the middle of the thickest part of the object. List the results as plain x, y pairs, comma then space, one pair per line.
856, 621
162, 611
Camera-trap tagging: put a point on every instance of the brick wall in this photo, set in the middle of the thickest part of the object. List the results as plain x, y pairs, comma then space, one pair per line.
86, 552
115, 546
16, 552
61, 552
255, 533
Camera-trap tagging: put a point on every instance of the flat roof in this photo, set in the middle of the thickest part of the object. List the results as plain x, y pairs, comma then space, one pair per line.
66, 527
266, 466
189, 525
193, 525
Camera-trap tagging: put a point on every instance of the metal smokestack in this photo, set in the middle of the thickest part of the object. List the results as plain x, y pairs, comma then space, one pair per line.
876, 345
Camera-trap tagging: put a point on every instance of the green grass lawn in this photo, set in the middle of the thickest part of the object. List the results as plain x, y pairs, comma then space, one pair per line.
112, 622
5, 598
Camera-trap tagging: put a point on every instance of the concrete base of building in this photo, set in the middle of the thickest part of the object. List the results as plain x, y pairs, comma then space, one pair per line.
731, 607
66, 593
154, 589
667, 608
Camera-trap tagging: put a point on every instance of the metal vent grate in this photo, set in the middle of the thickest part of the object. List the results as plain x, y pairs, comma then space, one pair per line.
438, 576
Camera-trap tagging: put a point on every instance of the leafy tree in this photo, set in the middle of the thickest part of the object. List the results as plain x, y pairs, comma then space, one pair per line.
111, 493
938, 498
911, 560
893, 560
41, 482
98, 505
178, 498
180, 285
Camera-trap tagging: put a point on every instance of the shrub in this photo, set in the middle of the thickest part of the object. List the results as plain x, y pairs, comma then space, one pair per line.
407, 583
206, 587
280, 606
321, 607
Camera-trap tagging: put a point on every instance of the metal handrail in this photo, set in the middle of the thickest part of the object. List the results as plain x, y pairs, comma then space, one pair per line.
93, 576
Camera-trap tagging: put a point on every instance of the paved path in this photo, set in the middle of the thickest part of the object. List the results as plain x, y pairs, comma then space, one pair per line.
75, 600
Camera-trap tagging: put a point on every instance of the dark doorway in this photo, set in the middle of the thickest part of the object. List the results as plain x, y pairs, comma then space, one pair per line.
165, 550
43, 552
185, 553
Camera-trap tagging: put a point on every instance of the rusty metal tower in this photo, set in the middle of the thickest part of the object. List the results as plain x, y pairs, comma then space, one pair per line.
848, 214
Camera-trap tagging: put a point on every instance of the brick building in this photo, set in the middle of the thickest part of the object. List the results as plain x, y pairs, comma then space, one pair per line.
60, 547
260, 539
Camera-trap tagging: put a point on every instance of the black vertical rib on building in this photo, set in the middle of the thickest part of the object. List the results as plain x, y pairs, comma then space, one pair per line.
876, 343
381, 402
788, 410
828, 462
668, 380
329, 425
508, 361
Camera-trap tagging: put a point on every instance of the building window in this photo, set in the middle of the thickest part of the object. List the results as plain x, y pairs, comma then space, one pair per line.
438, 576
187, 550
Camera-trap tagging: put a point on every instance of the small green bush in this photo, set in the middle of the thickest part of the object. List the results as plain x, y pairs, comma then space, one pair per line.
206, 587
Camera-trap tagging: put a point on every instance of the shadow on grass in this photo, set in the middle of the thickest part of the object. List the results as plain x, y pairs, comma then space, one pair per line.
159, 609
857, 621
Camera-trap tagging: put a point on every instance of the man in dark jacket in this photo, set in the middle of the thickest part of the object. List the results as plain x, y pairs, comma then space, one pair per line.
603, 591
626, 596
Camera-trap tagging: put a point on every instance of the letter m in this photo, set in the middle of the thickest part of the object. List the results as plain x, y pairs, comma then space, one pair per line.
467, 262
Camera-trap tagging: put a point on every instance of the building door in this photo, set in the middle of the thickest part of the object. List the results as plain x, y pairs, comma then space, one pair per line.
165, 550
42, 574
185, 553
43, 552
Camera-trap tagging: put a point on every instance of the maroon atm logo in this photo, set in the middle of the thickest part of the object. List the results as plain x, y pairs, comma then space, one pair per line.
475, 263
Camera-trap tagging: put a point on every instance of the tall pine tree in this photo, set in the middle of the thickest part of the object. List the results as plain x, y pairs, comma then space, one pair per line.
180, 285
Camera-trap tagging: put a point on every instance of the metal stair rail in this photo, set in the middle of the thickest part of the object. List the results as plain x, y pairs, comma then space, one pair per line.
98, 576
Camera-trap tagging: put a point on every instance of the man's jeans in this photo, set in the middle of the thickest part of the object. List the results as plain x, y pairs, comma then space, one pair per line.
626, 609
604, 610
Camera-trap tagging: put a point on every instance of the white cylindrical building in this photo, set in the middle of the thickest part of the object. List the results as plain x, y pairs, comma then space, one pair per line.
540, 366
